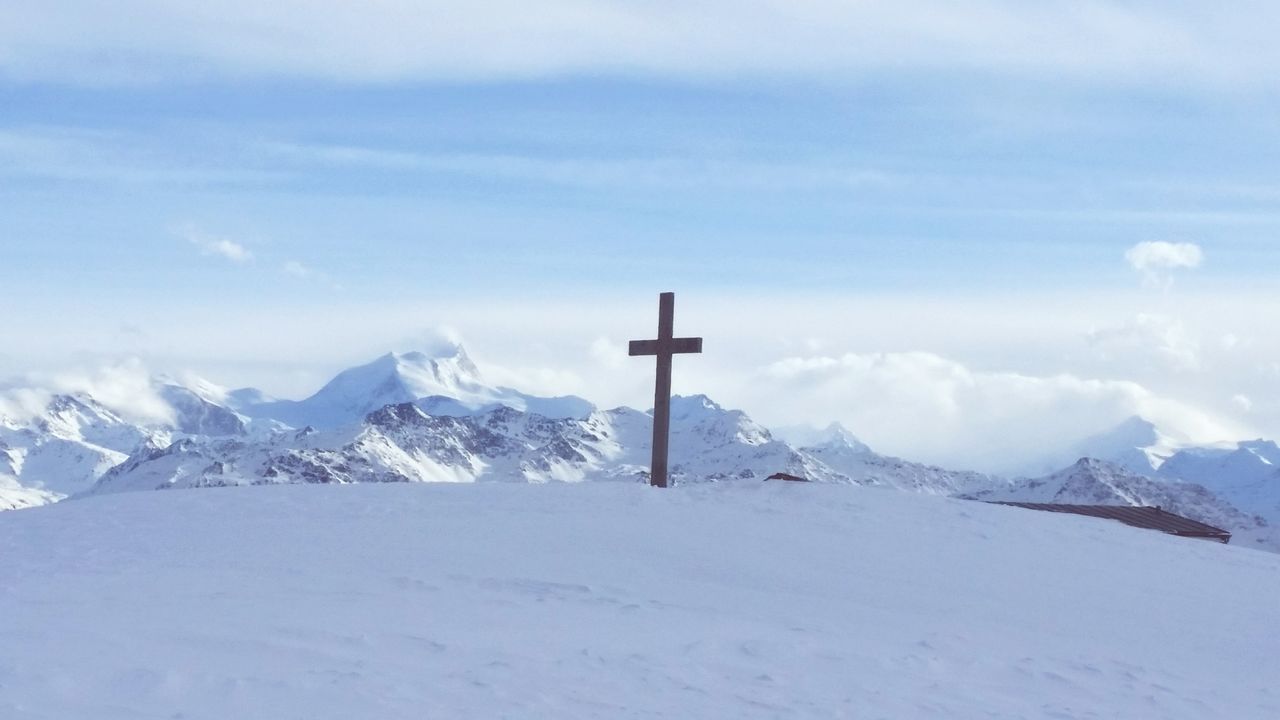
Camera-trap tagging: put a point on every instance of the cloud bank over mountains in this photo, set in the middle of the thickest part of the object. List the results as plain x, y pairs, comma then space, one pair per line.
915, 404
994, 421
980, 384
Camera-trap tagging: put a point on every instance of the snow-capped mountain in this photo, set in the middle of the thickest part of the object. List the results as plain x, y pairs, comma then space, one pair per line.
1096, 482
69, 445
403, 443
1136, 445
196, 415
418, 418
841, 451
1248, 475
448, 384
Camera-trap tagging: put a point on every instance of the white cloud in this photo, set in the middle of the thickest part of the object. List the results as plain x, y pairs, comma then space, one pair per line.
1160, 255
1147, 335
608, 353
22, 403
1015, 363
124, 387
1242, 402
1157, 260
437, 340
222, 247
144, 41
928, 407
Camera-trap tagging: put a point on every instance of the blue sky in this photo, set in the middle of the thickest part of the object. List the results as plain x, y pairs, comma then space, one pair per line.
224, 191
876, 184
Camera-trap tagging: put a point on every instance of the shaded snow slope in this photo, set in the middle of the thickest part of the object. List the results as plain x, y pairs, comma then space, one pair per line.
764, 600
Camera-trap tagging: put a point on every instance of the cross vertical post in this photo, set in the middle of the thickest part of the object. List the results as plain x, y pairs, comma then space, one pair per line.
663, 348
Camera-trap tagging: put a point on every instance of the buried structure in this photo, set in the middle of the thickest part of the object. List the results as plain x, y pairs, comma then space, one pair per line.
1149, 518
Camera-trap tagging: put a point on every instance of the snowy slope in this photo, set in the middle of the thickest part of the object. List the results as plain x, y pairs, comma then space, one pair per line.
1095, 482
610, 600
13, 495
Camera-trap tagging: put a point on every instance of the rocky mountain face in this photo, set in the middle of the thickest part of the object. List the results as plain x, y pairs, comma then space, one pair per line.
403, 443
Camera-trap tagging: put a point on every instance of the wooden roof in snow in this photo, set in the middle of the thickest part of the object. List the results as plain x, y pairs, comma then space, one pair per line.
1151, 518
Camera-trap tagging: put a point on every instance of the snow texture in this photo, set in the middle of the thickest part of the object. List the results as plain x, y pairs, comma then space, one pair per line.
616, 600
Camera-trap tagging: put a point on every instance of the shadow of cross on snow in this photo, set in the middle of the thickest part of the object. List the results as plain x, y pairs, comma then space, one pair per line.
663, 347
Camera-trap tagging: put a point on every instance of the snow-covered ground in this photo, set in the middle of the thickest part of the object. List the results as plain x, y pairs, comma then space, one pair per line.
615, 600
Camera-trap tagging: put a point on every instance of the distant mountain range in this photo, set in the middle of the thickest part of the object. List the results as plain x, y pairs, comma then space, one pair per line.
411, 417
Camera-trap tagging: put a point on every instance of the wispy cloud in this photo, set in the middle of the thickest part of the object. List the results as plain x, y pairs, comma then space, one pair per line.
297, 269
77, 154
655, 172
303, 271
1149, 335
215, 246
137, 40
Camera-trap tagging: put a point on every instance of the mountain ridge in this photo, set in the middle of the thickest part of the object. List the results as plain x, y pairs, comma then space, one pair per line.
218, 438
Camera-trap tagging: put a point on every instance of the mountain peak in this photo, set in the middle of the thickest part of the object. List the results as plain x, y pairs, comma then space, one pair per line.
836, 435
450, 360
1137, 428
1135, 444
1099, 469
690, 403
404, 377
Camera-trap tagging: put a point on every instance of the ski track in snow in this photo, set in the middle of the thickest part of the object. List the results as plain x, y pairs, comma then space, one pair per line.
767, 600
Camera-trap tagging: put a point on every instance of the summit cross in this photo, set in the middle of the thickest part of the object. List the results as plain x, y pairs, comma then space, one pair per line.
664, 347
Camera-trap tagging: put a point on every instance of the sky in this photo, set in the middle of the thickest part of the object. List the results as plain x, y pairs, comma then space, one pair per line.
965, 230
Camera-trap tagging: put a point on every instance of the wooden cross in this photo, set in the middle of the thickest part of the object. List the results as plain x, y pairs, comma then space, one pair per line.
664, 347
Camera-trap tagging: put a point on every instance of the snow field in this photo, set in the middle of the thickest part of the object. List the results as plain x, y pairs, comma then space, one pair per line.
615, 600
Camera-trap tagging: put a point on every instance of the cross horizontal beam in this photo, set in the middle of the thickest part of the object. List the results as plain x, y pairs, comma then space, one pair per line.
675, 346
